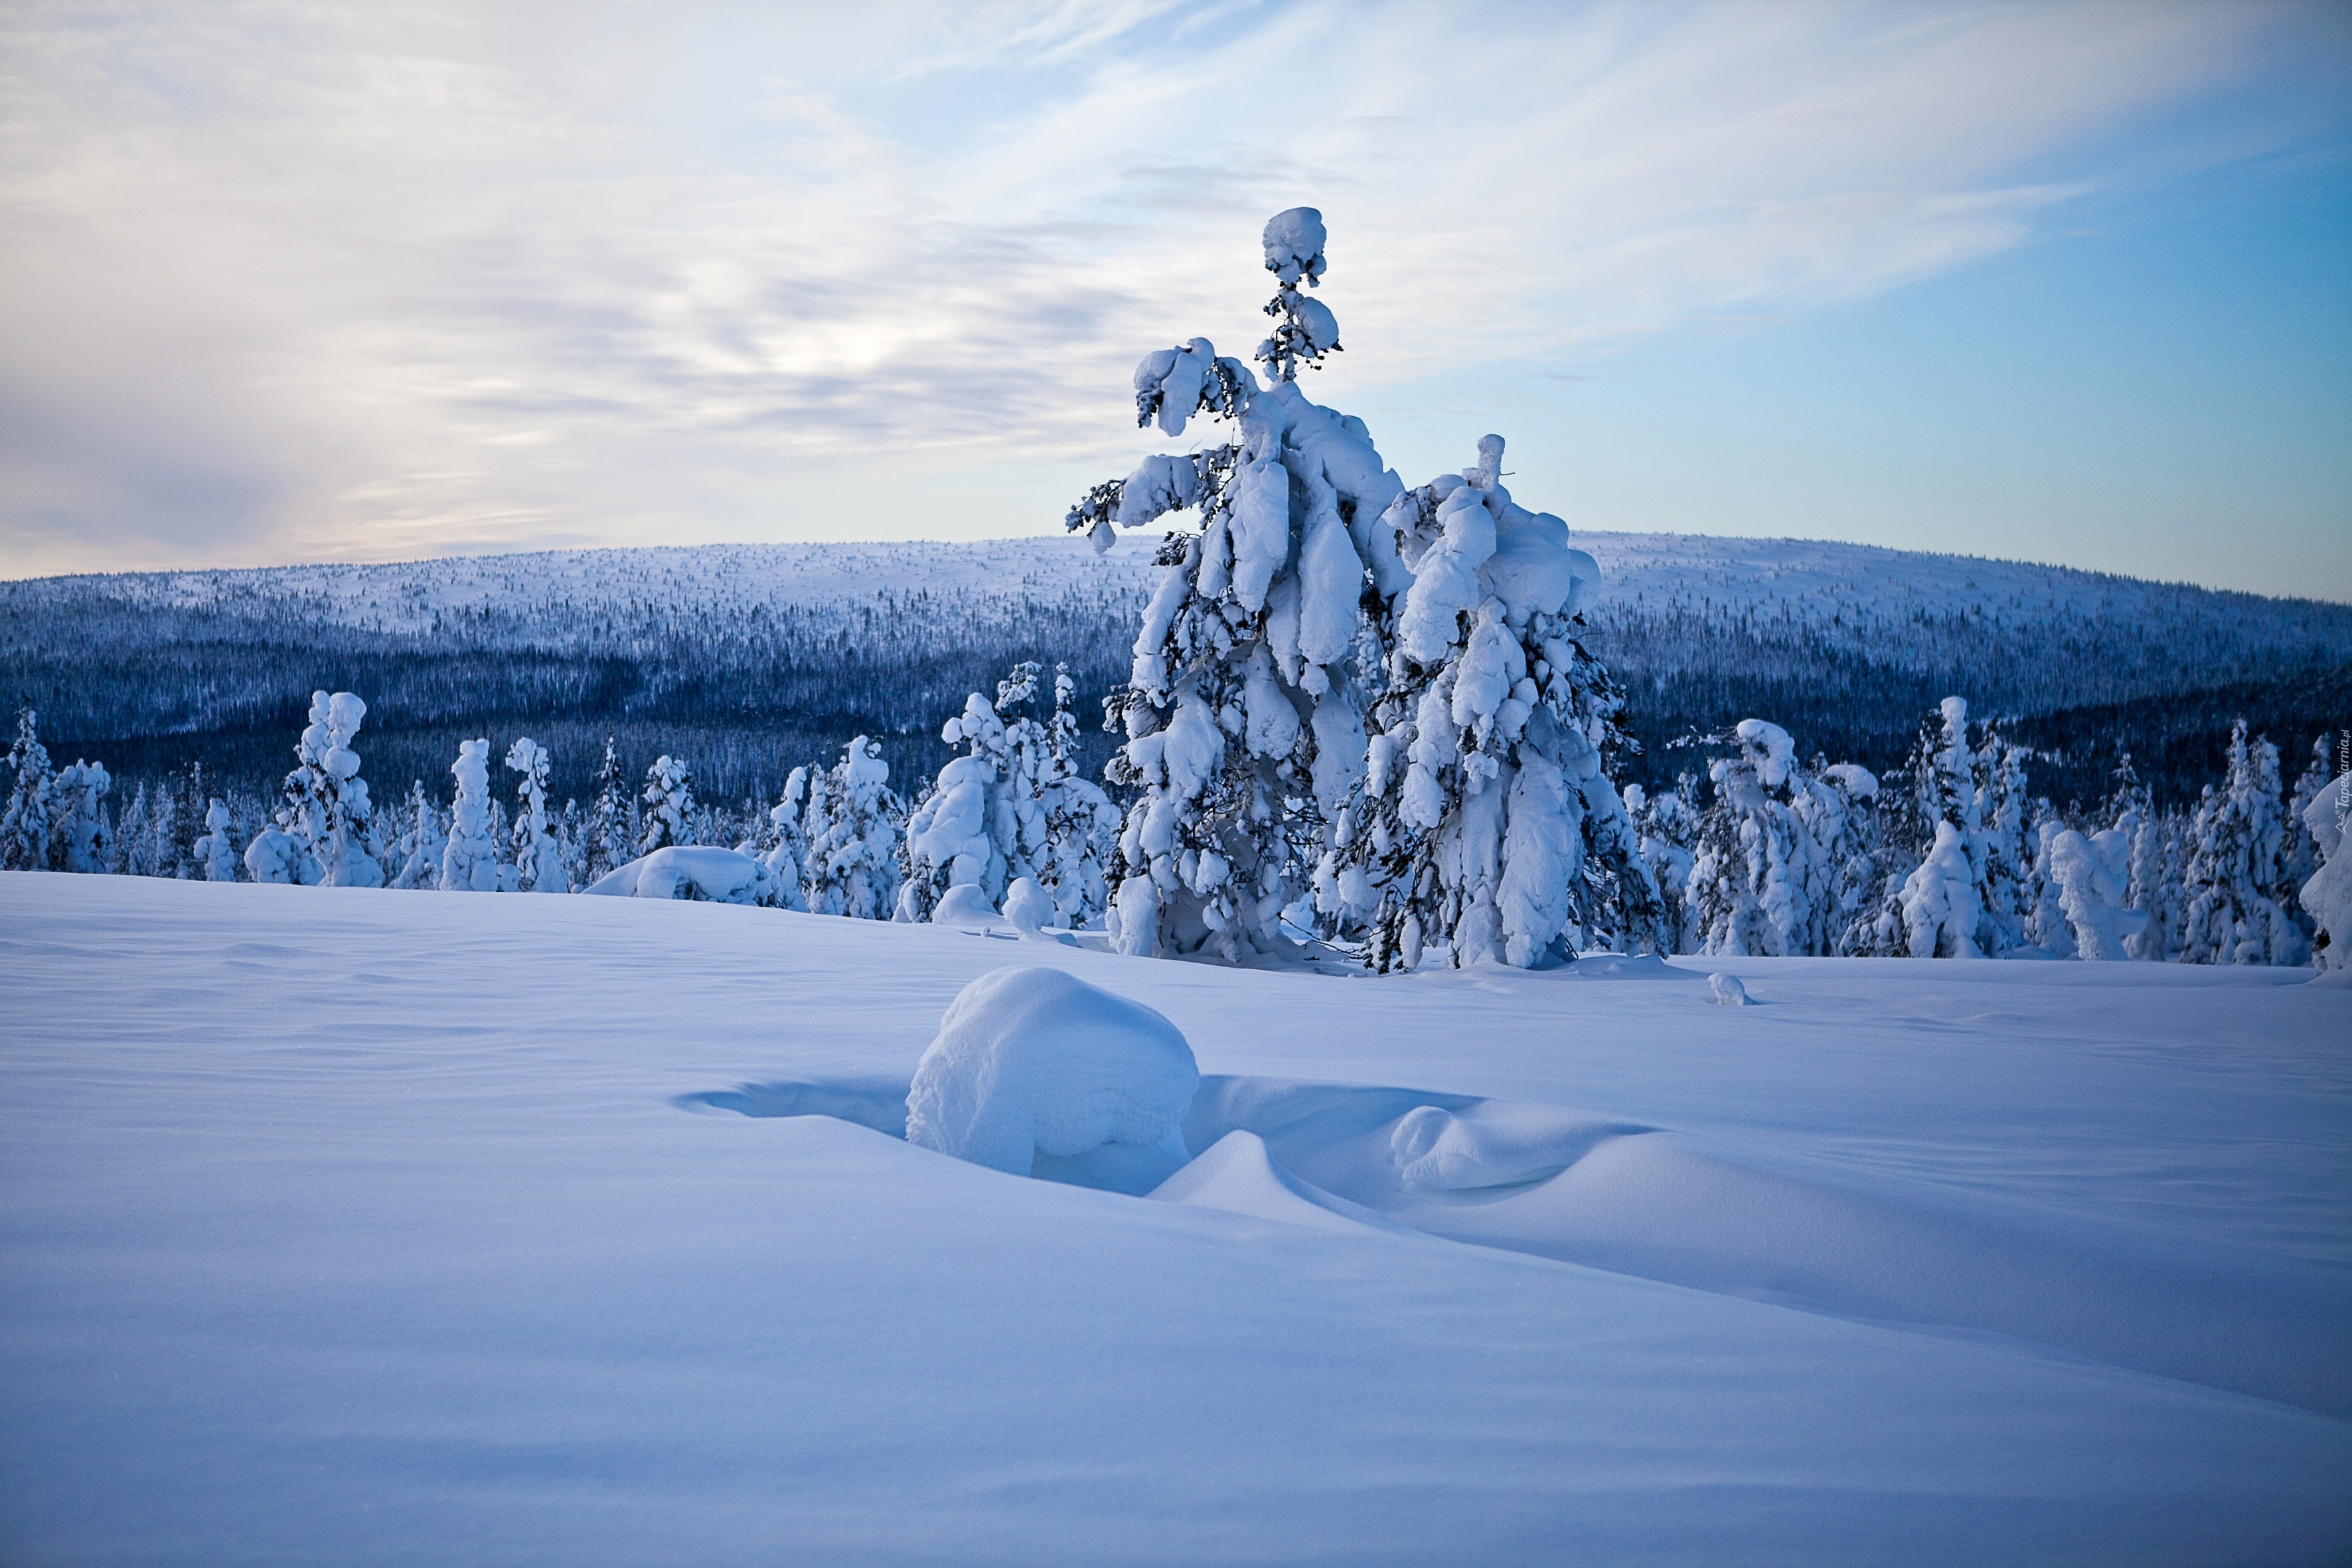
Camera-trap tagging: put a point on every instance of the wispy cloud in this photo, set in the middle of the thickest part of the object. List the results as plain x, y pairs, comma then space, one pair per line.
299, 279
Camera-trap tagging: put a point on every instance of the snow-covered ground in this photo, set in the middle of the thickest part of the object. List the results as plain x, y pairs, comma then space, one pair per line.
341, 1225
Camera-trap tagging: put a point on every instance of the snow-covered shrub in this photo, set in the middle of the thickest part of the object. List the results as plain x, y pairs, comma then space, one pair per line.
81, 839
1032, 1066
702, 871
2326, 894
213, 851
537, 859
854, 825
276, 856
2234, 883
2092, 876
469, 861
1010, 807
1321, 597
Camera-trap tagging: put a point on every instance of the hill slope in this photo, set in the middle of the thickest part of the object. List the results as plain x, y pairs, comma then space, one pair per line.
747, 658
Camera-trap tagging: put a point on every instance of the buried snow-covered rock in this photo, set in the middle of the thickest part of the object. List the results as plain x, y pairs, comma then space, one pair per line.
1036, 1072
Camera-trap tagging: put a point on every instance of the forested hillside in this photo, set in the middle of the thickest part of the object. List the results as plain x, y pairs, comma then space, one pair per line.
749, 659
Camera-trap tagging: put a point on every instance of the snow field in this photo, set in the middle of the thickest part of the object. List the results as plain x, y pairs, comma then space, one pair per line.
435, 1263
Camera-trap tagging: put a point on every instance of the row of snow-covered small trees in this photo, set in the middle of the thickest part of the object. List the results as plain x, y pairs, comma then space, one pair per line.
1954, 857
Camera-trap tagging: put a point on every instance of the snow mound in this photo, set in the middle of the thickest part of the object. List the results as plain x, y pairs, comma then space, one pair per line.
690, 871
1495, 1144
1729, 991
1034, 1068
964, 904
1238, 1175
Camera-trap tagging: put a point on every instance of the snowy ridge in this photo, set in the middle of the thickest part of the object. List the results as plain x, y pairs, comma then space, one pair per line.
1816, 580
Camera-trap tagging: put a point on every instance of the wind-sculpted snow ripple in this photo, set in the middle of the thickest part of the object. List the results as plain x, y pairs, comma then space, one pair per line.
1604, 1193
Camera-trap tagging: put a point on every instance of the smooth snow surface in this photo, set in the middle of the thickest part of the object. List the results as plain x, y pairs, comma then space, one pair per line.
605, 1247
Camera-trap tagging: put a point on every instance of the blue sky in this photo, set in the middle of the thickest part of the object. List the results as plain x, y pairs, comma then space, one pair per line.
294, 281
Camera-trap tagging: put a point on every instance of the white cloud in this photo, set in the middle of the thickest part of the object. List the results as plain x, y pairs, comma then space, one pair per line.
298, 280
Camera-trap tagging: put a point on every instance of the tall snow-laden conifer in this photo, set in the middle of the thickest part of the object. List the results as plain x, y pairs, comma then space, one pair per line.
609, 833
669, 805
24, 829
328, 814
854, 825
469, 861
2327, 892
1007, 808
1321, 597
781, 845
422, 842
2233, 879
537, 859
1771, 876
81, 839
214, 853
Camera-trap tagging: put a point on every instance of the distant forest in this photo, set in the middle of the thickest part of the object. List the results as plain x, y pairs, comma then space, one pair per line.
743, 692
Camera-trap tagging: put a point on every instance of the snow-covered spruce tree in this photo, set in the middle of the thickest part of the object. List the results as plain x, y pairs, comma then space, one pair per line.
2327, 892
81, 839
133, 848
1081, 824
609, 833
327, 810
991, 817
537, 859
854, 825
2299, 851
2233, 877
1769, 876
669, 805
782, 845
2092, 874
2007, 865
214, 852
1972, 800
24, 828
469, 861
1319, 596
422, 843
2158, 861
1485, 820
1668, 823
2046, 925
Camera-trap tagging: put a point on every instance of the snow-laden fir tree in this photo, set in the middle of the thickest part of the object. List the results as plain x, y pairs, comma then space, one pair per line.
669, 805
609, 833
2046, 925
328, 813
2233, 879
469, 861
1769, 877
214, 852
2299, 852
131, 846
854, 825
2159, 861
782, 845
81, 839
537, 858
422, 843
25, 827
2007, 865
1485, 820
1277, 629
1941, 909
1973, 798
2326, 894
994, 815
2093, 874
1668, 823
